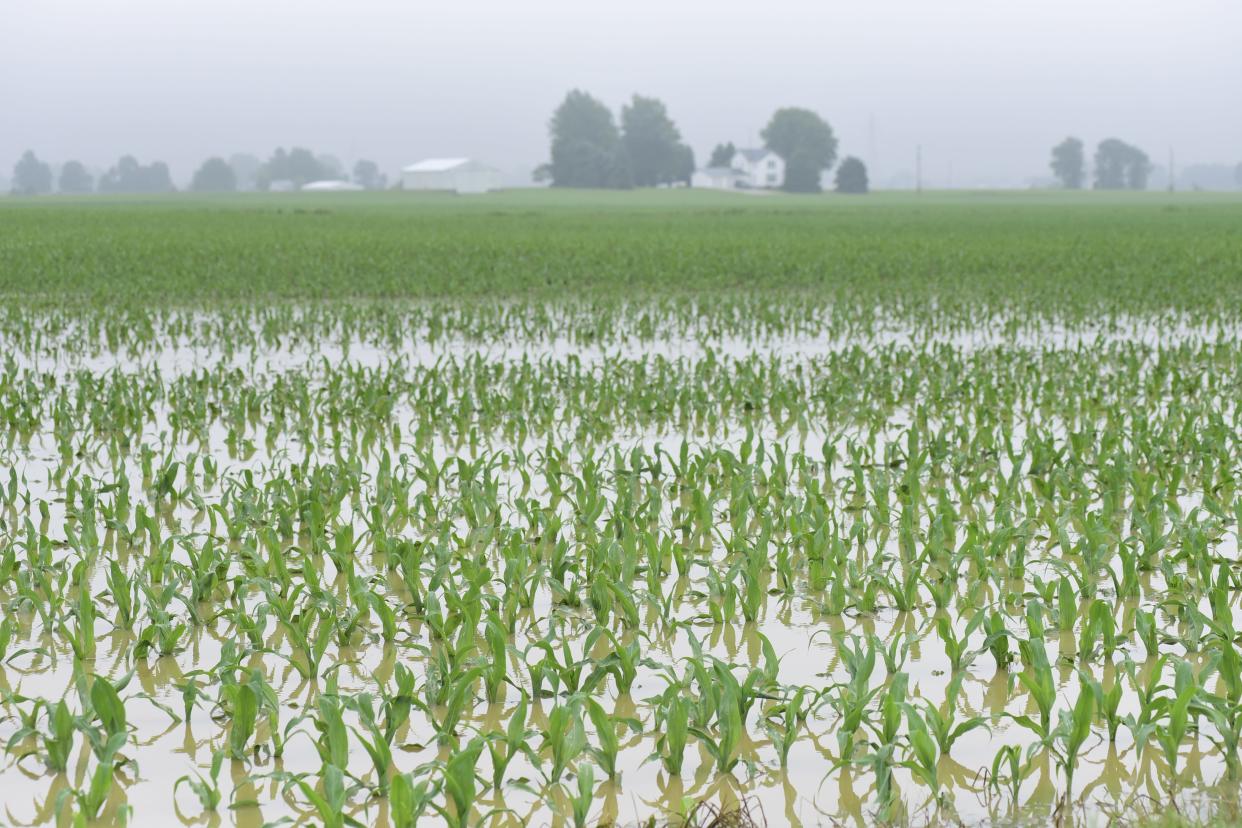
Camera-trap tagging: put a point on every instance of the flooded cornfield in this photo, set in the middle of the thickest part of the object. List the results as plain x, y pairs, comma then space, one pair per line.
918, 513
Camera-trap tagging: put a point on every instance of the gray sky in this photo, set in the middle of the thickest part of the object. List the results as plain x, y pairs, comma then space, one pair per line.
986, 86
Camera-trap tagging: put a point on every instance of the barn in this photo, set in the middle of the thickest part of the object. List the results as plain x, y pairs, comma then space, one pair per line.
455, 175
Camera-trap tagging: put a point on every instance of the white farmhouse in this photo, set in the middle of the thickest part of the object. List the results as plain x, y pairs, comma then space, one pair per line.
456, 175
760, 168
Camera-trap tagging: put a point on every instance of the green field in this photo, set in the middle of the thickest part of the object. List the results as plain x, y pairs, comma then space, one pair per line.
591, 508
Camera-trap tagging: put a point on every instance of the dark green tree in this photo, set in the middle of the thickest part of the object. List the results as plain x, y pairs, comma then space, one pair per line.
75, 179
298, 166
802, 173
586, 147
128, 176
31, 176
1138, 170
1120, 166
652, 143
1068, 164
215, 176
852, 176
367, 174
722, 155
683, 169
806, 143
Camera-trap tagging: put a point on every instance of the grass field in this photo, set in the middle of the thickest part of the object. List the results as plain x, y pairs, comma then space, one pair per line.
582, 508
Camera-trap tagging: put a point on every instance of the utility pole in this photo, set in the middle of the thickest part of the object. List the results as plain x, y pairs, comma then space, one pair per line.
918, 169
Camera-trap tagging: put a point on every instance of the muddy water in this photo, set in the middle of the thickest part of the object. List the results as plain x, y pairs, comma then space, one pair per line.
814, 787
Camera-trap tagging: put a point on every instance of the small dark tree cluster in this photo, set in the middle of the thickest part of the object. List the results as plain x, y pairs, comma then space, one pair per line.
31, 176
1068, 164
74, 179
298, 166
1120, 166
589, 150
852, 177
652, 143
128, 176
215, 176
722, 155
367, 174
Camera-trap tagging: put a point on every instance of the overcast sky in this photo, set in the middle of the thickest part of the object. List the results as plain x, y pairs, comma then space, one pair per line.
985, 86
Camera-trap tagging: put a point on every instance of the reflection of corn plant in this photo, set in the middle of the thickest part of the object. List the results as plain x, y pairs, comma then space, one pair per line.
786, 719
207, 789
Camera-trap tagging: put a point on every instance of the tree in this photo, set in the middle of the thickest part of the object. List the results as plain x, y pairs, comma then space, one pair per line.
652, 143
215, 176
75, 179
722, 155
852, 176
586, 147
1120, 166
1237, 175
683, 170
128, 176
806, 143
31, 176
298, 166
1068, 164
367, 174
802, 173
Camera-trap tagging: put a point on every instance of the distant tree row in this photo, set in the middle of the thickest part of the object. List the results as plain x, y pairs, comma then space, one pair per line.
588, 149
1118, 165
299, 166
34, 177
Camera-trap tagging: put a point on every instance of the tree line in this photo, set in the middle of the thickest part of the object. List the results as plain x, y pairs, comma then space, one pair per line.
643, 148
295, 167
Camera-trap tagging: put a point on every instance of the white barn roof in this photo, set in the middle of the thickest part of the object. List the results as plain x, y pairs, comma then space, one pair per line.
437, 165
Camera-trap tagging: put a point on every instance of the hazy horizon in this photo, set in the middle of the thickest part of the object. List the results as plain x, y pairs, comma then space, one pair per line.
985, 89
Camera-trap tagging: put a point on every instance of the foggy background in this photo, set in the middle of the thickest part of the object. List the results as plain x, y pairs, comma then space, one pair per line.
985, 87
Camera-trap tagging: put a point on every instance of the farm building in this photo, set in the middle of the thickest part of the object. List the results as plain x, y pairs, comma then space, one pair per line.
717, 178
331, 186
457, 175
